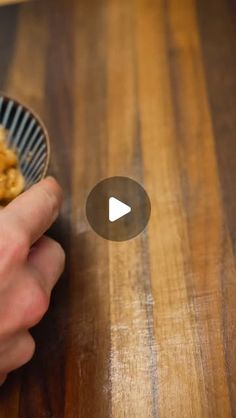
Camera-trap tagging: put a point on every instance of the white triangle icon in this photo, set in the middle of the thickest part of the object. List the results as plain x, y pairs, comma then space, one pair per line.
117, 209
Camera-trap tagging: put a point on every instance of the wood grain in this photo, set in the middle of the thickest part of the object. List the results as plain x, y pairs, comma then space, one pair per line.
7, 2
144, 89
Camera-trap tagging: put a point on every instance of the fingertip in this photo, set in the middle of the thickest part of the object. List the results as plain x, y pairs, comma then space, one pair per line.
50, 180
52, 184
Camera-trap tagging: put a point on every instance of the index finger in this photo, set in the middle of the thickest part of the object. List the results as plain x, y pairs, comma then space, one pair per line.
34, 211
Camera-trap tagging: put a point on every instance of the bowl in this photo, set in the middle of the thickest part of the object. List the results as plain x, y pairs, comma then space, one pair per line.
28, 137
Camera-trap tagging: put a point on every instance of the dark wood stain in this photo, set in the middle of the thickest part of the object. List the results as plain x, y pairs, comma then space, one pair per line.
218, 34
8, 29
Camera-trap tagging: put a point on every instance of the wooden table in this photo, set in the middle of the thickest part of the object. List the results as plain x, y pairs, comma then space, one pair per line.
144, 89
6, 2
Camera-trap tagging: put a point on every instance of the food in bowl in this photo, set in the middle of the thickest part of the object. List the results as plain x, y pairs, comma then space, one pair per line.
12, 182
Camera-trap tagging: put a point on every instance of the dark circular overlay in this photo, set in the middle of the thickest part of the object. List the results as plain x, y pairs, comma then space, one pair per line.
127, 191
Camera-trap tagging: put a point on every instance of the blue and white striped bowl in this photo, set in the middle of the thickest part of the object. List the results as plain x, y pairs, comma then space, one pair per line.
28, 137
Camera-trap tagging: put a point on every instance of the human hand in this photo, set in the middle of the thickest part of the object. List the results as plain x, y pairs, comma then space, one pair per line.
30, 265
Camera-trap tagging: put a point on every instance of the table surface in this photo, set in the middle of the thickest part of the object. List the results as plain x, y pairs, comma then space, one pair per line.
144, 89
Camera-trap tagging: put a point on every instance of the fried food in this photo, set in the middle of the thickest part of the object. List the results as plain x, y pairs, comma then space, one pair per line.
11, 180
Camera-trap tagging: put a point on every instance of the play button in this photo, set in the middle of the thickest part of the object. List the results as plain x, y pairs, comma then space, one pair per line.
118, 208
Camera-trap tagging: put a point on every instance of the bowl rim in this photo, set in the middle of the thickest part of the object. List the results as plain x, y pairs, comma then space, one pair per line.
41, 124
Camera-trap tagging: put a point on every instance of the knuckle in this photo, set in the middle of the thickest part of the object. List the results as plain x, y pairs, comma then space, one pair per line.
14, 244
18, 245
60, 254
36, 302
2, 378
27, 349
21, 351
